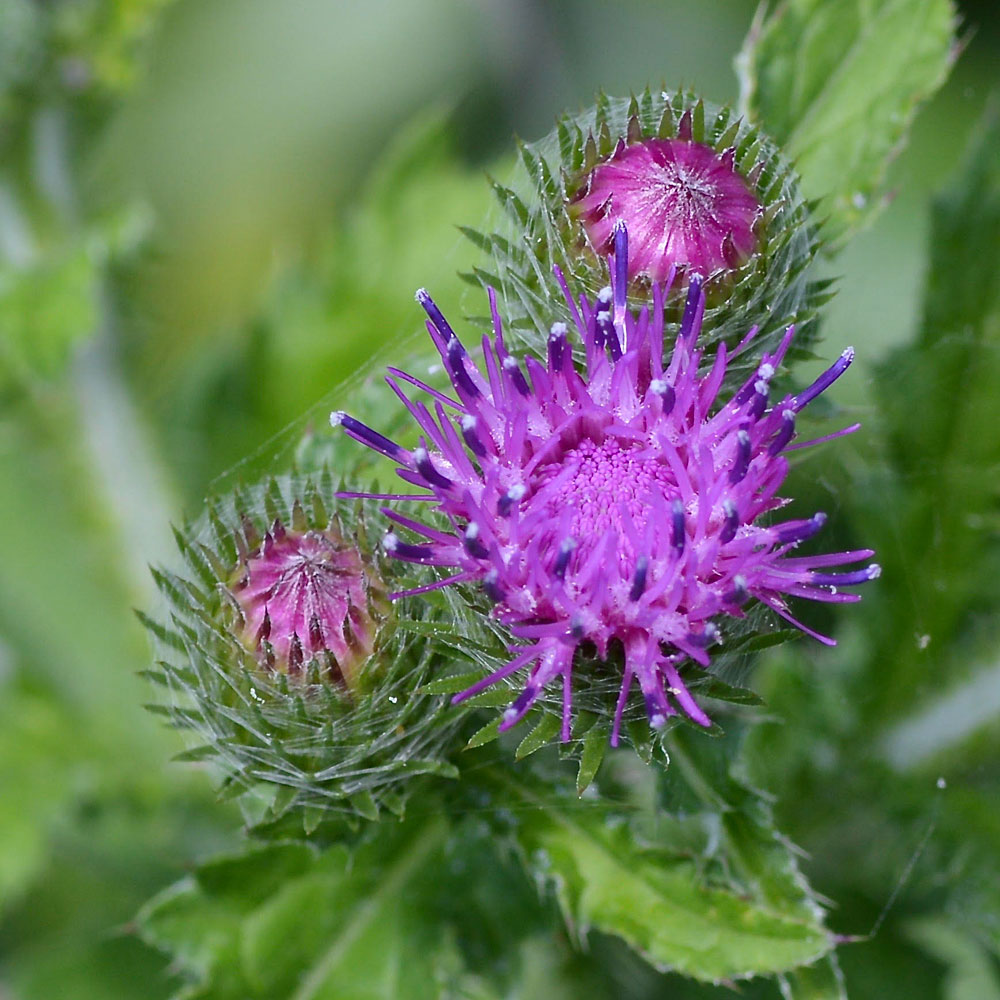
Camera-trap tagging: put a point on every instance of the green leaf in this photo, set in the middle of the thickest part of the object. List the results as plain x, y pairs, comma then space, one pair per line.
36, 761
972, 972
609, 879
837, 82
285, 923
935, 522
822, 981
45, 309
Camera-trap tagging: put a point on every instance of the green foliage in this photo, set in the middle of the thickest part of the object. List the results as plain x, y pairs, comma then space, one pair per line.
936, 396
899, 706
837, 85
972, 972
35, 771
287, 922
702, 883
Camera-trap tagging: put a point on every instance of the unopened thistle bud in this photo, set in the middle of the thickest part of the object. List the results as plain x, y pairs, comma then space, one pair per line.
279, 648
702, 192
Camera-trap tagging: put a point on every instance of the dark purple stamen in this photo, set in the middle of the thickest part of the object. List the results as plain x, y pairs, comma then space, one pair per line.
857, 576
471, 438
689, 325
705, 638
563, 557
759, 402
666, 393
557, 346
739, 595
602, 317
437, 318
729, 529
742, 463
426, 469
456, 365
621, 267
678, 533
784, 434
609, 335
406, 550
799, 531
825, 380
491, 586
365, 435
511, 497
513, 370
472, 542
639, 579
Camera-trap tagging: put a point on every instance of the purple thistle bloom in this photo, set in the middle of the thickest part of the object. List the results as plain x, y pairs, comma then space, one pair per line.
684, 204
305, 596
623, 505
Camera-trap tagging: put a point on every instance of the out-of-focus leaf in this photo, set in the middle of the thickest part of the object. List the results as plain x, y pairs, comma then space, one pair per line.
45, 309
822, 981
653, 896
837, 82
105, 38
21, 32
939, 403
38, 746
286, 922
972, 972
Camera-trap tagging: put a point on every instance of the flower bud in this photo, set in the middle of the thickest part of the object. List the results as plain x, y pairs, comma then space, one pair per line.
701, 191
278, 647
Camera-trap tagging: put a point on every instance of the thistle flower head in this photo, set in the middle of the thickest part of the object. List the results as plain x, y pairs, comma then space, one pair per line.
304, 596
277, 648
625, 506
684, 204
701, 190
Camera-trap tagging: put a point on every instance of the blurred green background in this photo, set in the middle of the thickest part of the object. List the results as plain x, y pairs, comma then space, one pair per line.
212, 213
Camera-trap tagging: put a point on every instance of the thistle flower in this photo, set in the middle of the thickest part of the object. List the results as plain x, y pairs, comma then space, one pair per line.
624, 507
305, 596
685, 206
277, 647
700, 189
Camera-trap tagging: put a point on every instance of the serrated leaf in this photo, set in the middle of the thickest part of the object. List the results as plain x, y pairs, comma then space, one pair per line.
605, 878
836, 82
938, 401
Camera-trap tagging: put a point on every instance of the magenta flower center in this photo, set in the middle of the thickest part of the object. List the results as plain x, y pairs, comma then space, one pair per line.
684, 205
597, 485
304, 597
